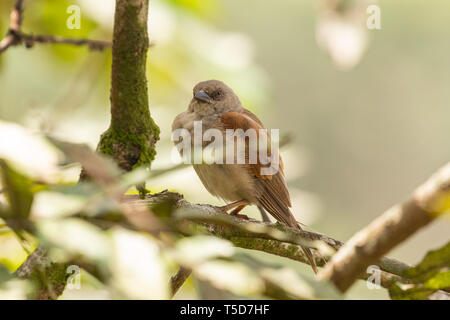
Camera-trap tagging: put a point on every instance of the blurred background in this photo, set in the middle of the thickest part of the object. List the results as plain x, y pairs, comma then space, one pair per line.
368, 110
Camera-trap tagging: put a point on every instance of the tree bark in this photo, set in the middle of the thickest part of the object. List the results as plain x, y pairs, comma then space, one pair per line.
131, 137
48, 277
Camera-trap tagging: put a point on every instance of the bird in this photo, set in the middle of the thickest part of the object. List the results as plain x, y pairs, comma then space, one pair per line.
216, 107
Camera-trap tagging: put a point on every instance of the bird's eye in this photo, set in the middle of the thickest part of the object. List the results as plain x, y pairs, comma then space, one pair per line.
217, 95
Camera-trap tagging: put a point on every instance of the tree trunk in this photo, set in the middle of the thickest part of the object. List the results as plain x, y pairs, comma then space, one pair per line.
131, 137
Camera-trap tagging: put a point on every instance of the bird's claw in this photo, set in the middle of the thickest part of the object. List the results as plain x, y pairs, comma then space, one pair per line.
235, 212
240, 216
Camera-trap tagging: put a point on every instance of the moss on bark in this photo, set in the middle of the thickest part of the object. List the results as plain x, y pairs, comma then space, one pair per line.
50, 280
130, 140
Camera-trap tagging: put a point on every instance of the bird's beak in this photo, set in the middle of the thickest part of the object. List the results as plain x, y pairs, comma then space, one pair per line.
202, 96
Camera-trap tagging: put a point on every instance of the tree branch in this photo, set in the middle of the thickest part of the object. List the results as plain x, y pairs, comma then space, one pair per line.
275, 239
29, 40
179, 278
387, 231
50, 278
132, 134
131, 137
15, 22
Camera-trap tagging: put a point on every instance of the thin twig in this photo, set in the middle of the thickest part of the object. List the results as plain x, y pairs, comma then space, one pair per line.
15, 22
93, 45
179, 278
15, 36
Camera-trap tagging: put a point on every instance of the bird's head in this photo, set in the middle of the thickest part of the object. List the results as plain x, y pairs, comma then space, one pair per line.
213, 97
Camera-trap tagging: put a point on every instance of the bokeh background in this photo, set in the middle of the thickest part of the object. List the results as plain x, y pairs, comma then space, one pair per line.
368, 110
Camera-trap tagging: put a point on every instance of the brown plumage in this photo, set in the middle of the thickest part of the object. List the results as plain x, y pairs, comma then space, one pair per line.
218, 107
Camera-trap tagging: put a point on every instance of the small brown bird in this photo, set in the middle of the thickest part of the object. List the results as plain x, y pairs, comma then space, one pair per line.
218, 107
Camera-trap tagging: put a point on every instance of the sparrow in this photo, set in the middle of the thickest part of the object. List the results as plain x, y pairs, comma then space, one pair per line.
238, 184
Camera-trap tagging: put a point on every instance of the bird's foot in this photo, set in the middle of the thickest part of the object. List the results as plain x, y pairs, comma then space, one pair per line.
235, 213
237, 206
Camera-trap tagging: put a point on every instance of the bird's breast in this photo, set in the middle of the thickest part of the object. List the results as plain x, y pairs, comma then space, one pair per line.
230, 182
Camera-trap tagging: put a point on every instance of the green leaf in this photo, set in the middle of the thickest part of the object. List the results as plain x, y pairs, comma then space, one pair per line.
231, 276
102, 169
134, 177
439, 281
76, 237
5, 275
431, 264
17, 189
12, 288
430, 275
409, 292
420, 291
192, 251
289, 281
28, 153
86, 197
138, 270
49, 204
15, 289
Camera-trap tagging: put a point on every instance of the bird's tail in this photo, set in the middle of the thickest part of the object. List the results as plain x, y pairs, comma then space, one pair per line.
309, 255
283, 214
311, 259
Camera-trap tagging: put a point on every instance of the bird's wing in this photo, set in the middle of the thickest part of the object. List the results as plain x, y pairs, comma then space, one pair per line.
255, 118
272, 192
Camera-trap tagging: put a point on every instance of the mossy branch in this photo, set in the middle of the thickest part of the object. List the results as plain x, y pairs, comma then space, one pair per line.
49, 278
275, 239
130, 140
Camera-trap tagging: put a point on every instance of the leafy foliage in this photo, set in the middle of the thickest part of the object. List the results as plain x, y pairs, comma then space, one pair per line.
430, 275
17, 189
83, 225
